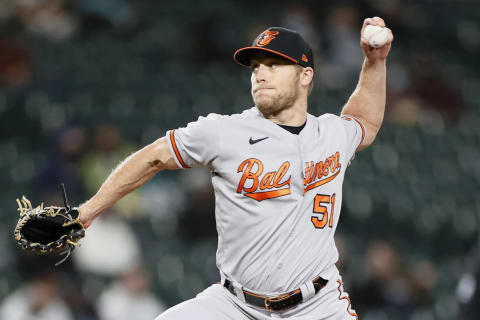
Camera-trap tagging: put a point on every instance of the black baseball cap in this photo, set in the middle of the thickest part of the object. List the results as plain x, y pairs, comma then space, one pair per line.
284, 42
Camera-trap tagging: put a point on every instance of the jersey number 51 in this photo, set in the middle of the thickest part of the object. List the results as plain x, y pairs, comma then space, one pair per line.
320, 222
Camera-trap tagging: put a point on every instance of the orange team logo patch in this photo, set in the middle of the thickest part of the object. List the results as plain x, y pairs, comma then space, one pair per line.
260, 187
266, 37
304, 58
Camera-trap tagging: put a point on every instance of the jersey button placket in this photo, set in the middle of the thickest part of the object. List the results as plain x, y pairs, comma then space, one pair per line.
300, 149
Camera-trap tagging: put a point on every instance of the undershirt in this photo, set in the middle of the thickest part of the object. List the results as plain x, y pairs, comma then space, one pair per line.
293, 129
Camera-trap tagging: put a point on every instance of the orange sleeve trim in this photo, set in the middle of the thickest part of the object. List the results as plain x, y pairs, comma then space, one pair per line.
175, 149
349, 118
363, 130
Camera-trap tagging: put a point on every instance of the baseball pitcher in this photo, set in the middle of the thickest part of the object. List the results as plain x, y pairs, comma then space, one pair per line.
277, 173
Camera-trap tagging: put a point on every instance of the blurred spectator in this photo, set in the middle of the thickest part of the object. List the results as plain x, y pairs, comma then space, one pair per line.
63, 164
299, 17
405, 111
47, 18
7, 8
429, 84
38, 299
423, 279
118, 13
47, 291
109, 148
420, 92
110, 247
129, 297
343, 54
468, 286
387, 287
15, 65
200, 209
211, 35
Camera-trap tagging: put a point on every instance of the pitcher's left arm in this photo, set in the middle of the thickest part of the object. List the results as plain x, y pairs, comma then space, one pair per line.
367, 102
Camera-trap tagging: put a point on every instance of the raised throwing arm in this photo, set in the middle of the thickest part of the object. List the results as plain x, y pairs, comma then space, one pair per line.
367, 102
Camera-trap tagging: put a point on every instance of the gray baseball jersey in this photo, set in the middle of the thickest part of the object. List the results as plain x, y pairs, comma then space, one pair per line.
278, 195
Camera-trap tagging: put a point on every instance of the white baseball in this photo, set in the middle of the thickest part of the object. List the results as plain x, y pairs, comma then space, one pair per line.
376, 36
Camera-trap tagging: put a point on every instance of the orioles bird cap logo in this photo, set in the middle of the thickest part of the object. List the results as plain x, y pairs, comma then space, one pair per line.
304, 58
266, 37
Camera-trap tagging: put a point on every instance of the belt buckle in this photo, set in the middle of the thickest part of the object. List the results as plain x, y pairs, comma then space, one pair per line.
267, 304
278, 299
275, 299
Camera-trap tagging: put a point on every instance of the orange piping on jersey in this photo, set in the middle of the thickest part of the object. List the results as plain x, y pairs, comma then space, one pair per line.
321, 182
259, 196
349, 118
349, 307
363, 130
174, 145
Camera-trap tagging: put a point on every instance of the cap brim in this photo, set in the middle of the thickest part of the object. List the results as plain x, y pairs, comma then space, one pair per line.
242, 56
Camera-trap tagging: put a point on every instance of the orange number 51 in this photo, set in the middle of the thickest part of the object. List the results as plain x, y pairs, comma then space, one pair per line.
323, 210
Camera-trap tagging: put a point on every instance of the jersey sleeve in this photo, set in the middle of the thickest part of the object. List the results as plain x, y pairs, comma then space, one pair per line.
355, 133
196, 144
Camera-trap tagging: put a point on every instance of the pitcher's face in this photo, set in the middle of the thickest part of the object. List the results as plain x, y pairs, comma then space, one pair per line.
275, 83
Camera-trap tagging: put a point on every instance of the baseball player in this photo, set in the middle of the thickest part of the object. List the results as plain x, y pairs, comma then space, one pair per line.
277, 172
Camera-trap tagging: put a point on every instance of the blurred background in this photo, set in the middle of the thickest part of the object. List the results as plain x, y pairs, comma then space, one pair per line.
84, 83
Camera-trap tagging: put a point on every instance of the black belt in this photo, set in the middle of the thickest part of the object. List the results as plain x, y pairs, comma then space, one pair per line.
278, 303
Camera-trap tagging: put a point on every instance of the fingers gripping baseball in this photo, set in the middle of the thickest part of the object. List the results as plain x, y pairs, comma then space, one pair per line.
375, 42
